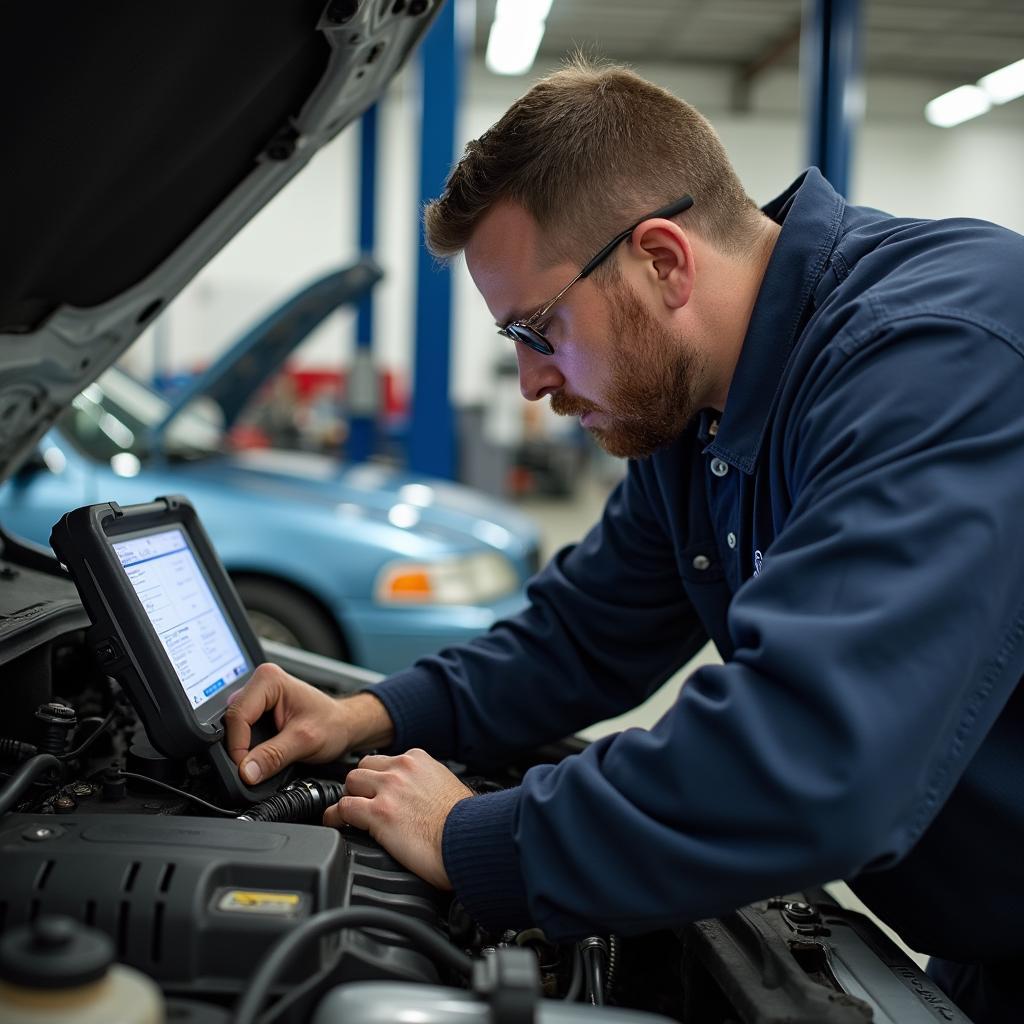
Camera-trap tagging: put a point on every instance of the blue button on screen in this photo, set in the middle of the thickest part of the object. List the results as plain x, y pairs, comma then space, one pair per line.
213, 687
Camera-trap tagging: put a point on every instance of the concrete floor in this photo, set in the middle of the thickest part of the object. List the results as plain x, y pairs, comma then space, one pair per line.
565, 521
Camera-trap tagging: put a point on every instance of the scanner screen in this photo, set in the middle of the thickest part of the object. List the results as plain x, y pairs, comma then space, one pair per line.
189, 620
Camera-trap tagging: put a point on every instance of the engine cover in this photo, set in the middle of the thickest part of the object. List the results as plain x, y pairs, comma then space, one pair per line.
195, 903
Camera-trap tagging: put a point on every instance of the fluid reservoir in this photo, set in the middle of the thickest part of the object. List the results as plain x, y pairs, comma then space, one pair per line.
57, 971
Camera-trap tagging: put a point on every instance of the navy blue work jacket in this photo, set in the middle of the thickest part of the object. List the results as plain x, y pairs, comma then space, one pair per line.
850, 534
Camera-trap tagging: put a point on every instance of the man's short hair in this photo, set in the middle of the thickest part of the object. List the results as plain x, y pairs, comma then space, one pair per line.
588, 149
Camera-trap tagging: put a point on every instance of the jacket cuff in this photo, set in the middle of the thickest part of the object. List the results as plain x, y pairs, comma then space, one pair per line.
482, 861
421, 712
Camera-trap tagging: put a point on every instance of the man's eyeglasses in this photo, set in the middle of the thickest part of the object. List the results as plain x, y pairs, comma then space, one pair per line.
526, 332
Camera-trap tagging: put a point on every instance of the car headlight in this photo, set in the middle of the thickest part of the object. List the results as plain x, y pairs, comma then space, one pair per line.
471, 579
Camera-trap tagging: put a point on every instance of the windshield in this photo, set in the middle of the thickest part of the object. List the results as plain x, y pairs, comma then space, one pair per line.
117, 414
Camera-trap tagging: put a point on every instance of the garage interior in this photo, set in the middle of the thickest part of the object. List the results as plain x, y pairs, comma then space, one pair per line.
356, 382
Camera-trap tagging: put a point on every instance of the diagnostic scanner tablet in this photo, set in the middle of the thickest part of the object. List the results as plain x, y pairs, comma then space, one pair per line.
167, 624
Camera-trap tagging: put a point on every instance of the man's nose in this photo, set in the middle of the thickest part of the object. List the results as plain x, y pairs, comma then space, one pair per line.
538, 375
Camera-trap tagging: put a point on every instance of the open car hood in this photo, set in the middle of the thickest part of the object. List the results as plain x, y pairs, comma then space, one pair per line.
141, 139
258, 354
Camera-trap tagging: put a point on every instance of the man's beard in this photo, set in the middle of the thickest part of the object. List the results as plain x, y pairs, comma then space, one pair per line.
652, 381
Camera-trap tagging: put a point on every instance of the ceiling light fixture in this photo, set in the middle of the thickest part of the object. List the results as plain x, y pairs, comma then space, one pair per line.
1005, 84
956, 106
515, 35
967, 101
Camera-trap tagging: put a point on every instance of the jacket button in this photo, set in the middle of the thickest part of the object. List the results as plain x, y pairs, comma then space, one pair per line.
702, 562
731, 540
719, 468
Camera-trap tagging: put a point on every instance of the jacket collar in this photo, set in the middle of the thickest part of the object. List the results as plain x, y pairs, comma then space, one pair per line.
810, 212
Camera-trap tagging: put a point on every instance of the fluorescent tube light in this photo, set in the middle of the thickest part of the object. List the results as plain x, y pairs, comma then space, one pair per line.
515, 35
957, 105
522, 10
512, 47
1005, 84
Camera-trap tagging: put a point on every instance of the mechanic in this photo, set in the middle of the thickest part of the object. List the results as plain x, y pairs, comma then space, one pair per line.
823, 406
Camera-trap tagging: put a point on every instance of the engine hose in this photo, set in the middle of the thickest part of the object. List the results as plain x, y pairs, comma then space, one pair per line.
283, 953
15, 750
595, 956
20, 781
301, 803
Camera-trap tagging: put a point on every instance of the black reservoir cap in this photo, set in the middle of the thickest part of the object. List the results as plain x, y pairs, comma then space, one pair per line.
53, 953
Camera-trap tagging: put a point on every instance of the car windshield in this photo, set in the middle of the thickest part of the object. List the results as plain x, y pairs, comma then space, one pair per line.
117, 413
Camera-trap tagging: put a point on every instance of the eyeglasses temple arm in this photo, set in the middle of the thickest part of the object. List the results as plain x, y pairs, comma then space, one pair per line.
666, 211
542, 312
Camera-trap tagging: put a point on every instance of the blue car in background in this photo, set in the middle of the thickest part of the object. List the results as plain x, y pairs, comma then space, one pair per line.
364, 563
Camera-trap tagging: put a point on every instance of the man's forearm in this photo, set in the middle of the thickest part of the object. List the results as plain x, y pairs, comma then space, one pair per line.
368, 722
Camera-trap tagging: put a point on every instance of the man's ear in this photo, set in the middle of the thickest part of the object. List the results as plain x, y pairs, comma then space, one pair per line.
667, 255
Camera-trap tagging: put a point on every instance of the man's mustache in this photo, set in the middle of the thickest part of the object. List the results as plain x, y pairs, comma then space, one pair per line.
569, 405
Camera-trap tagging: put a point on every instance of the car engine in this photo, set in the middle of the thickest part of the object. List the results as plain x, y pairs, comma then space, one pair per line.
197, 896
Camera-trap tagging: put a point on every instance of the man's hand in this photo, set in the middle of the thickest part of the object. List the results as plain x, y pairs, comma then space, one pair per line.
403, 803
311, 726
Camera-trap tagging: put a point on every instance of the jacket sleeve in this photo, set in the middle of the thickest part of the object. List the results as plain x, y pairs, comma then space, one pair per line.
872, 653
608, 621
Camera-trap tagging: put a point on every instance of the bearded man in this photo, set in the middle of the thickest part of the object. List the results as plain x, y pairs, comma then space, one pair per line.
823, 406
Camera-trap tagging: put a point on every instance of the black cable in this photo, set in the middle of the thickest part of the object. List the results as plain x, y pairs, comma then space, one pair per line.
15, 787
576, 981
223, 812
302, 803
289, 945
92, 737
299, 992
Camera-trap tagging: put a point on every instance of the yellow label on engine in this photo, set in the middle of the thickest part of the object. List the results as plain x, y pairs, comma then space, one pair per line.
248, 901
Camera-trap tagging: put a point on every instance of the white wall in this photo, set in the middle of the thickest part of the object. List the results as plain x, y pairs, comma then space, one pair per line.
901, 164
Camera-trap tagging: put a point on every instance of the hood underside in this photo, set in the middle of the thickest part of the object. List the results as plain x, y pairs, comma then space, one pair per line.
141, 139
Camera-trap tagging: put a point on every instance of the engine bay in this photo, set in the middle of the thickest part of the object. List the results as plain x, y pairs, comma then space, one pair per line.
196, 895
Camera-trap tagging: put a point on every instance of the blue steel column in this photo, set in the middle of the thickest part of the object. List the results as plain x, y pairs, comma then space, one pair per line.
363, 389
431, 447
830, 64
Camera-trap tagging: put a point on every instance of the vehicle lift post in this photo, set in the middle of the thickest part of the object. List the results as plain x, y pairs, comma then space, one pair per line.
833, 91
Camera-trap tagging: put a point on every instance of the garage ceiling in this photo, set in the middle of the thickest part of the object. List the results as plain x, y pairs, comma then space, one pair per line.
952, 40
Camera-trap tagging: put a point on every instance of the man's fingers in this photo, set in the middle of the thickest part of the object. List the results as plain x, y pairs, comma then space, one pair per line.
260, 694
376, 762
349, 810
292, 743
366, 782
